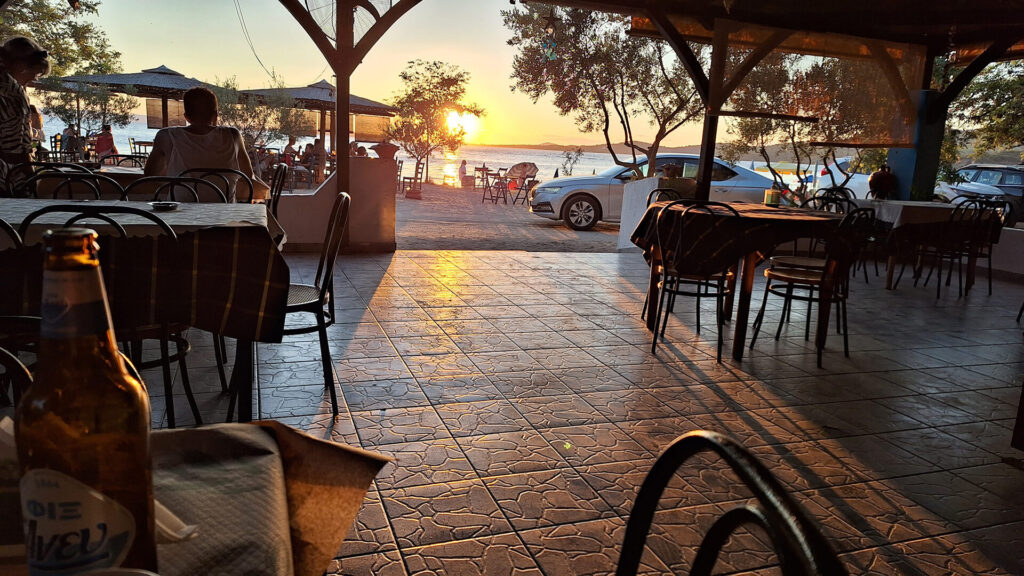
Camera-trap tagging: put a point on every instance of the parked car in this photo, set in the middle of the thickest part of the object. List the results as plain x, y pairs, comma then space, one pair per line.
583, 201
858, 182
1008, 179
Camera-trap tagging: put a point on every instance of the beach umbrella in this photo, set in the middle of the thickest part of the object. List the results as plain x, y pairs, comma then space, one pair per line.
367, 118
522, 170
160, 82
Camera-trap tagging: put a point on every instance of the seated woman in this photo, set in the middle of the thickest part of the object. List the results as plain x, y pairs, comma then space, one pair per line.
201, 144
105, 143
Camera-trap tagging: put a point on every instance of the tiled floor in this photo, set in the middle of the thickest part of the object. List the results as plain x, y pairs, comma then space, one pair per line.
517, 393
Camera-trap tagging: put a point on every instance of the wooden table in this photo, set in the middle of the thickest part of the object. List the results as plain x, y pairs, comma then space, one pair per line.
764, 228
225, 265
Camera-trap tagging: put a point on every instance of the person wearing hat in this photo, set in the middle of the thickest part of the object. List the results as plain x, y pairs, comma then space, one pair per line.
22, 61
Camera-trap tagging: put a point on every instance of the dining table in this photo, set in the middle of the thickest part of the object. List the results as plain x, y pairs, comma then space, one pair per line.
911, 220
761, 228
260, 500
224, 273
123, 175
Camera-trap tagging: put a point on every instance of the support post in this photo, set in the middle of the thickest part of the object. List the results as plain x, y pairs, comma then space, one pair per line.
343, 66
916, 168
163, 110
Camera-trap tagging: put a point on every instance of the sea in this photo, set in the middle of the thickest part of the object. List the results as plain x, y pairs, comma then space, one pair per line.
494, 157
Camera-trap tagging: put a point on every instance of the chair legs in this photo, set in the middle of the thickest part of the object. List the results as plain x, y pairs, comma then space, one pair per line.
325, 358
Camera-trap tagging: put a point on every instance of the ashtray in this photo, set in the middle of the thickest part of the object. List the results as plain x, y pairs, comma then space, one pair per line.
164, 206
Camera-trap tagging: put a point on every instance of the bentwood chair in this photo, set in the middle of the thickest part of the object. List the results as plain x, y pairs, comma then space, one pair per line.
277, 181
176, 188
318, 298
658, 195
15, 377
137, 302
236, 186
70, 186
688, 268
798, 544
127, 160
843, 249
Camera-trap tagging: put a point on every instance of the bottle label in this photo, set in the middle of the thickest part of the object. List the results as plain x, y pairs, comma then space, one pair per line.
74, 304
71, 528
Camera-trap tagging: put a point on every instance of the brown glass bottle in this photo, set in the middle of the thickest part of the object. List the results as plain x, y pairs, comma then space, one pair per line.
82, 428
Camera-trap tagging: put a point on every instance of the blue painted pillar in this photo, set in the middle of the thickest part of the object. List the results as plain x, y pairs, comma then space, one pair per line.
916, 168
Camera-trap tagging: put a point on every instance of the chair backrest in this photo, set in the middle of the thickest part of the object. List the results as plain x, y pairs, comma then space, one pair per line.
332, 243
84, 212
227, 180
850, 238
13, 239
836, 192
70, 185
130, 160
663, 194
16, 373
834, 203
17, 173
56, 141
277, 185
133, 146
177, 189
799, 545
703, 239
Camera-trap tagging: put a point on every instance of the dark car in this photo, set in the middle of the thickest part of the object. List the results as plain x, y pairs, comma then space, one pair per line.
1009, 179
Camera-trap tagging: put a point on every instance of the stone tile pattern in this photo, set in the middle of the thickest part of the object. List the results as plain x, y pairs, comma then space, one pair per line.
520, 399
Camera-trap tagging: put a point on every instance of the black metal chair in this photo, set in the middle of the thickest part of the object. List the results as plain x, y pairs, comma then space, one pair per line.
13, 238
799, 545
176, 188
318, 298
840, 192
70, 185
128, 160
842, 251
227, 180
277, 186
657, 195
15, 378
969, 226
136, 316
523, 191
685, 272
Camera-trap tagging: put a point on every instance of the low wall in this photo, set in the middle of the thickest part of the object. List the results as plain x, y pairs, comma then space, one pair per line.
371, 222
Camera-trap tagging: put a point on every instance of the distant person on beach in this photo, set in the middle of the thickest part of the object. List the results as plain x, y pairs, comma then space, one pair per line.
105, 143
361, 152
35, 121
201, 144
22, 61
462, 171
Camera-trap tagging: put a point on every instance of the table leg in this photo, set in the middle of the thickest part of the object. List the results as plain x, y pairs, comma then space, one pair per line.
652, 292
731, 286
972, 263
743, 304
1017, 440
824, 312
241, 379
890, 266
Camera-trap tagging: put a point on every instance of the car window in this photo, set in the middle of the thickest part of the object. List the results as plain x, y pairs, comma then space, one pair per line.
720, 173
967, 174
1012, 179
990, 177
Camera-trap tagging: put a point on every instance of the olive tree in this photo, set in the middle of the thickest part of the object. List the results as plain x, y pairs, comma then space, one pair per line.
607, 80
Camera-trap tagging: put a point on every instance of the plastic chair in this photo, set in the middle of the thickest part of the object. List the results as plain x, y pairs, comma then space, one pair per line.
318, 298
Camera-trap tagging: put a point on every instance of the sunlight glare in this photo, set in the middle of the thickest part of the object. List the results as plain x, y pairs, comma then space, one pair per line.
469, 123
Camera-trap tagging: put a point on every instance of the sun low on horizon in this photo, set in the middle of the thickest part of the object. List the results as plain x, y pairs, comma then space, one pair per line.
468, 123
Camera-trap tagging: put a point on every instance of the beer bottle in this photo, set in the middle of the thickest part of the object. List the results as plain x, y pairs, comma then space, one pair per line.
82, 428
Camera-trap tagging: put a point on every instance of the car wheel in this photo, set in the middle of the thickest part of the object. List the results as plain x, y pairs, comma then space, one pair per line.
582, 213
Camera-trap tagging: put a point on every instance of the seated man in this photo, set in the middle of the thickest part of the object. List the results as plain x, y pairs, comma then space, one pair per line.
201, 144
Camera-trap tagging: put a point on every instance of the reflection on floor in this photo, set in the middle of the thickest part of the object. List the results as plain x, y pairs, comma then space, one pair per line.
519, 397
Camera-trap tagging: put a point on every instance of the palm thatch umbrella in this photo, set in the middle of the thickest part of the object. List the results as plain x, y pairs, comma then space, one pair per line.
367, 115
160, 82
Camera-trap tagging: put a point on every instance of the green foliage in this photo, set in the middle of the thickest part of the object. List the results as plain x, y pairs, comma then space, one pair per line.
992, 107
259, 119
600, 76
949, 154
76, 46
430, 92
569, 160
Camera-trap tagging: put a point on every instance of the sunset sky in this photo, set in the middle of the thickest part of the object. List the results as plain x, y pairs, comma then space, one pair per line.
203, 39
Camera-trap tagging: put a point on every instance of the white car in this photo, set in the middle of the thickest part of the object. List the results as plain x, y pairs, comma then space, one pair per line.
583, 201
858, 182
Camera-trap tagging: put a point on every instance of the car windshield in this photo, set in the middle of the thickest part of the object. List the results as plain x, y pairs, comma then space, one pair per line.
614, 171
